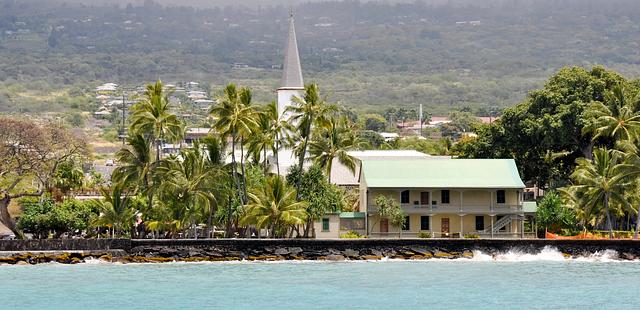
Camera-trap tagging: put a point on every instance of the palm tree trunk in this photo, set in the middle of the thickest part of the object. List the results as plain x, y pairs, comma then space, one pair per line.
234, 171
157, 150
635, 233
277, 150
606, 208
264, 152
303, 153
244, 176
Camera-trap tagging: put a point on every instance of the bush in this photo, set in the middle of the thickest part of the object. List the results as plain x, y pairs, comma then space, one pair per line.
471, 236
352, 235
45, 216
424, 234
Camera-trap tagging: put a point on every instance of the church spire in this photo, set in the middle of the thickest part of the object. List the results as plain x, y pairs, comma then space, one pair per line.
292, 71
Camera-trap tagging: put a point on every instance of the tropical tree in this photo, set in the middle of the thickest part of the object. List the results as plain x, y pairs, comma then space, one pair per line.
115, 211
390, 209
68, 176
308, 111
321, 196
334, 140
600, 183
189, 182
271, 134
152, 117
617, 117
135, 164
274, 206
30, 155
235, 118
553, 215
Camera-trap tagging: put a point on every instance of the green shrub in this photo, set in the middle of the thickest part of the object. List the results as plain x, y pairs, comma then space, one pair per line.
352, 235
424, 234
471, 236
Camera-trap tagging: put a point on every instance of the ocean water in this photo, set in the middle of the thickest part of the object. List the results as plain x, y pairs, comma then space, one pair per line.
508, 281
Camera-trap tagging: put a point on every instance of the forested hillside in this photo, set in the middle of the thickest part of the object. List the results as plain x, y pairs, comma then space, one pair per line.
367, 54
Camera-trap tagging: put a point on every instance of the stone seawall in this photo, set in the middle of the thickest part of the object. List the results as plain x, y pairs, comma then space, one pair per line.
126, 251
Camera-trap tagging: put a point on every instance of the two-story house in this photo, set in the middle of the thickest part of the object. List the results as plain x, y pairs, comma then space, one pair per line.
444, 197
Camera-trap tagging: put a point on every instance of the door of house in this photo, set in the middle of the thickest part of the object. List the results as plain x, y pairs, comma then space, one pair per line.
384, 226
444, 226
424, 198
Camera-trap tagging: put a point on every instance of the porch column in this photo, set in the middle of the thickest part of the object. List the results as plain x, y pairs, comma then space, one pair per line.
491, 226
430, 204
522, 226
461, 225
460, 200
431, 225
491, 202
366, 212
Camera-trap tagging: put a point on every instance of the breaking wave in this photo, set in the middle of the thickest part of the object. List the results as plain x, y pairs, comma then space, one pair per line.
548, 253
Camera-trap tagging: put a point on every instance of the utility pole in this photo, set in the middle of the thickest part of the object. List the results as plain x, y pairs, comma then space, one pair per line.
420, 119
124, 106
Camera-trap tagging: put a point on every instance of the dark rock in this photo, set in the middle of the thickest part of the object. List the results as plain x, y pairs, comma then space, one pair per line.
282, 251
295, 250
335, 257
628, 256
351, 253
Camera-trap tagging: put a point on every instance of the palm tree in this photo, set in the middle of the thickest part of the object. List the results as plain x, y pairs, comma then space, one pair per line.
114, 209
274, 206
271, 133
618, 117
189, 182
309, 110
152, 117
235, 118
600, 182
334, 140
134, 163
631, 170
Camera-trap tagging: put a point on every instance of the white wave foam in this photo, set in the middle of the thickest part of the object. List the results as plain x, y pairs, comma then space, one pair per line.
548, 253
600, 256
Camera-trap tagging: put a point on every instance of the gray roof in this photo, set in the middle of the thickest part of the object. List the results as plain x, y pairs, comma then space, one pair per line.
292, 71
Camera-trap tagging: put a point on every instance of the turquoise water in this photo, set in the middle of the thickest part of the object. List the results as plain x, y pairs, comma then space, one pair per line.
434, 284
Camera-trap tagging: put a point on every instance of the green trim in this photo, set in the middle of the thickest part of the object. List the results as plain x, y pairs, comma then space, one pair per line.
529, 206
326, 224
352, 215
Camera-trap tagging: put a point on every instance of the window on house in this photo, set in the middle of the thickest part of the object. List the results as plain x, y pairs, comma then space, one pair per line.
480, 222
444, 196
406, 224
325, 224
500, 196
424, 222
404, 197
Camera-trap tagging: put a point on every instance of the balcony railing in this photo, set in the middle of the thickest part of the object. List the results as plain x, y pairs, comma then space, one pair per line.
450, 208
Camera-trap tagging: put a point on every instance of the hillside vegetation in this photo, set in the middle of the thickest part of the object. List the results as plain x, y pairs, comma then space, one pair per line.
366, 54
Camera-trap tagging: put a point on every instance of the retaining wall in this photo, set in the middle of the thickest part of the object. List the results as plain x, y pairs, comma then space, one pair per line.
574, 247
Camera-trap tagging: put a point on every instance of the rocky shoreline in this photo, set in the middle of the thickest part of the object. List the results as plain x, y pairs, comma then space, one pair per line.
159, 251
74, 251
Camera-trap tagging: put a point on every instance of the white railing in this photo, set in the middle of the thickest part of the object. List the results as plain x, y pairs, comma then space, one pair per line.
450, 208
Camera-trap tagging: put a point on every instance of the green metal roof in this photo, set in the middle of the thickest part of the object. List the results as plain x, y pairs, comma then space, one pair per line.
529, 206
352, 215
441, 173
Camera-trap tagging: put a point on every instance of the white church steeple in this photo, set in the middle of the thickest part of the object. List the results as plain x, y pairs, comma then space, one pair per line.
291, 84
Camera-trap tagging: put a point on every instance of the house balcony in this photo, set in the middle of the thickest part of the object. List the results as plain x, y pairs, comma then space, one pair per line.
455, 209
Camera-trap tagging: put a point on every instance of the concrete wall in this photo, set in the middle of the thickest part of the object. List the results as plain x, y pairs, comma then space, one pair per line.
64, 244
334, 227
311, 247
